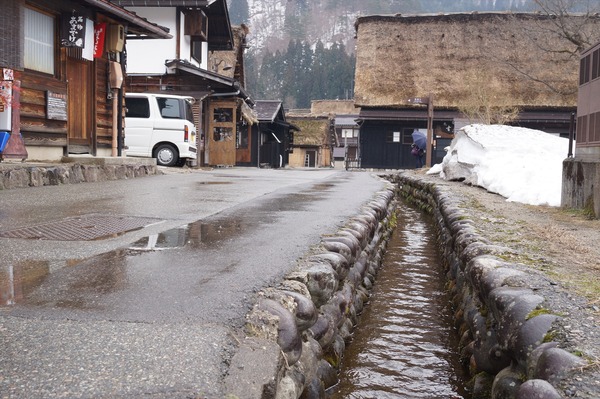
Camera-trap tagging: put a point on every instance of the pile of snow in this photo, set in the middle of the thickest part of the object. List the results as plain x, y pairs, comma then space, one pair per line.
523, 165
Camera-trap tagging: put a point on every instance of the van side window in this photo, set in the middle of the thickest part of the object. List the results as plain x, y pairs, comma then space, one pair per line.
170, 108
189, 114
137, 107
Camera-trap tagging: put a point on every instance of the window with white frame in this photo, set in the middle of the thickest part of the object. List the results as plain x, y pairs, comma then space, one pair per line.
39, 41
349, 133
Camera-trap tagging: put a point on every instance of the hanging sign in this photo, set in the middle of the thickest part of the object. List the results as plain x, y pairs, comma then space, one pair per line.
99, 35
88, 48
72, 33
7, 74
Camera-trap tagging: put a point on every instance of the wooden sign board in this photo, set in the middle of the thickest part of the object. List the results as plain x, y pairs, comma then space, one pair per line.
56, 106
419, 100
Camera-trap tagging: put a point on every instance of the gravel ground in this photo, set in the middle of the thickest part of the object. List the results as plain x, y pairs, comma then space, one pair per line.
560, 248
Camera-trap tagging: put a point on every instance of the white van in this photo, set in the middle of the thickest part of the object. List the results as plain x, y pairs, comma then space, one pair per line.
160, 126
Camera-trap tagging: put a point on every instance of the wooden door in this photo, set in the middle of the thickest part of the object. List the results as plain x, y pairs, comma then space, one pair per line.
80, 97
244, 147
311, 159
221, 134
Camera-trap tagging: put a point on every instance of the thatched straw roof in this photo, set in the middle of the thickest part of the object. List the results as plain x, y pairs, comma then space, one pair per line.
313, 131
233, 58
454, 55
335, 107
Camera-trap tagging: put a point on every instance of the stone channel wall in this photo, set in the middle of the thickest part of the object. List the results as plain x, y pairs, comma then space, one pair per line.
311, 313
507, 334
507, 331
20, 176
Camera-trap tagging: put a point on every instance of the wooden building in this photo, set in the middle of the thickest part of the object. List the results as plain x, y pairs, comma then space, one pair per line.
204, 60
313, 143
273, 136
64, 79
475, 67
581, 172
346, 137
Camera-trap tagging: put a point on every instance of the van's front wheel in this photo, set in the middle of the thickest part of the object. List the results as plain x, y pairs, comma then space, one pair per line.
166, 155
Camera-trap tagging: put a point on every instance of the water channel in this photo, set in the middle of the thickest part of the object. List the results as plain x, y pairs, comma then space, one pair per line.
405, 345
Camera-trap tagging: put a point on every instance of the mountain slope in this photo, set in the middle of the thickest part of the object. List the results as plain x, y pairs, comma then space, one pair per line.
274, 22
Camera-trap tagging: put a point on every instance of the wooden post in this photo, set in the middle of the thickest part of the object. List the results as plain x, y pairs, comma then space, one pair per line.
428, 153
115, 103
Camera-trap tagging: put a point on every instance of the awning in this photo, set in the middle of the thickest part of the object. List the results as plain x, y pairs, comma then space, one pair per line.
187, 67
420, 114
405, 114
138, 27
248, 114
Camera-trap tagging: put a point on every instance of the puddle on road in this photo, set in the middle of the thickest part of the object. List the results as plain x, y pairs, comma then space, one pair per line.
68, 282
17, 281
195, 235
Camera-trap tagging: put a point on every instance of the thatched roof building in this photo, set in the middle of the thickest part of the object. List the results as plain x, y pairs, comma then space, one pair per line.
335, 107
312, 141
313, 131
512, 58
231, 63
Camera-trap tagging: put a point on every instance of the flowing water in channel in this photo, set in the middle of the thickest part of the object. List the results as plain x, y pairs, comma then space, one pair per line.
405, 345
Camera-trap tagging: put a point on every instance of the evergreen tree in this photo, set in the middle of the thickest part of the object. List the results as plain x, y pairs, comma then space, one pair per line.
318, 74
301, 74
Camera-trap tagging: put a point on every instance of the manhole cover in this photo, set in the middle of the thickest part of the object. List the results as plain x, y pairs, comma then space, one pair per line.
81, 228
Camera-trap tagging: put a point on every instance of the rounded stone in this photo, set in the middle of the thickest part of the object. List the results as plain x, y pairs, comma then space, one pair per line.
306, 312
530, 336
506, 384
537, 389
327, 373
554, 364
288, 334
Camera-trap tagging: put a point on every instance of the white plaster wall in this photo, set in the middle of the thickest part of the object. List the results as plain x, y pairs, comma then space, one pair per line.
204, 64
38, 153
185, 45
148, 56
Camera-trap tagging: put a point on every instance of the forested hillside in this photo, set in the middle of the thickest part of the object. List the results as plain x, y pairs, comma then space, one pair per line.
303, 49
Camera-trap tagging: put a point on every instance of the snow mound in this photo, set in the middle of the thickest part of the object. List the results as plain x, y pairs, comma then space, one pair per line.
522, 165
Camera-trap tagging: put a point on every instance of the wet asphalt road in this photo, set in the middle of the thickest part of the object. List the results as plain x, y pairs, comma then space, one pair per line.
156, 311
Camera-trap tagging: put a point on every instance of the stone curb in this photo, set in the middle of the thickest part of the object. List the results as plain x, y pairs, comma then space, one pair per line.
19, 176
507, 333
309, 316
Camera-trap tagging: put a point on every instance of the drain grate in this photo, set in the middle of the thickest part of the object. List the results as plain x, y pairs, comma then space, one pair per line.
81, 228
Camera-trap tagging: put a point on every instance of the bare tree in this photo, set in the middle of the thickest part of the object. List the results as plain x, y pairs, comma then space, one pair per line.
559, 30
484, 100
581, 33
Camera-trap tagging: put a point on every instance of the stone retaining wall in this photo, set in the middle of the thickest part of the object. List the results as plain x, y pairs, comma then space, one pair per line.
297, 332
506, 324
20, 176
312, 312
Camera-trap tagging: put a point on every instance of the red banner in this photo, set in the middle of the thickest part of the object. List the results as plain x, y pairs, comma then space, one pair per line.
99, 35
